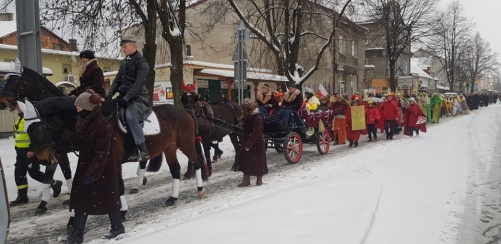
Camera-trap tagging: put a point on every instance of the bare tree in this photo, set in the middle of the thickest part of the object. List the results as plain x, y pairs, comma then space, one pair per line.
173, 32
451, 32
479, 59
403, 22
294, 31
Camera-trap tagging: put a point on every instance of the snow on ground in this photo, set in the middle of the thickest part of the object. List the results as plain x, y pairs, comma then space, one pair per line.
410, 190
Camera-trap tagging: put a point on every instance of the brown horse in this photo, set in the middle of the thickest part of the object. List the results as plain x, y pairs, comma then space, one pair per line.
176, 125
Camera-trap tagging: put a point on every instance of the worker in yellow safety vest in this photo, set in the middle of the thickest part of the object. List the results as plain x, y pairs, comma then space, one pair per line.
26, 162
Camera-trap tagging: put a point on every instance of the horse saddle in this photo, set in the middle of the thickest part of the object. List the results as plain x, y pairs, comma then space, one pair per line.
150, 126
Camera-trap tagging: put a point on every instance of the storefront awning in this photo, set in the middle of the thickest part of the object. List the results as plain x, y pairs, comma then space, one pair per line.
347, 69
250, 75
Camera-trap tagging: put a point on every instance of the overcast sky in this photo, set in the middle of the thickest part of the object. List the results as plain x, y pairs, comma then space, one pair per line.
486, 15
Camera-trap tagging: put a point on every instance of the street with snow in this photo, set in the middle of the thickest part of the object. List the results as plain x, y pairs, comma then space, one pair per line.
440, 187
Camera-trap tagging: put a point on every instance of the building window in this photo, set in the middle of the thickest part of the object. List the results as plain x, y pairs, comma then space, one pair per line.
188, 50
66, 68
341, 44
57, 46
354, 48
366, 61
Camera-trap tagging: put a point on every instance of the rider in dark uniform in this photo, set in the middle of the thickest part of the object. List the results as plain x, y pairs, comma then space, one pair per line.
130, 83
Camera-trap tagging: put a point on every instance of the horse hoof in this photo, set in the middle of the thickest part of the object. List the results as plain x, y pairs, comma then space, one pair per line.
202, 194
133, 191
171, 201
145, 180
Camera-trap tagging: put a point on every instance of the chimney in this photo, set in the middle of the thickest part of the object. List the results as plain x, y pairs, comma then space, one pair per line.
73, 45
6, 16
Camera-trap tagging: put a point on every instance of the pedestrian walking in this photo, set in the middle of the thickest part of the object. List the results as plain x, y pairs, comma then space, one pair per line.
96, 183
251, 158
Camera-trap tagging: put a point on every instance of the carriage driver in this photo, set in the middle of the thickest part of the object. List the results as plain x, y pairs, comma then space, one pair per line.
130, 83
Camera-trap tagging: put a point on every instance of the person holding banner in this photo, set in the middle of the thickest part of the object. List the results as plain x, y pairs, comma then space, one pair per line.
355, 122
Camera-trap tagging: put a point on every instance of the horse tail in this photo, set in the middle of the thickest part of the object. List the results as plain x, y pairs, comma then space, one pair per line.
155, 163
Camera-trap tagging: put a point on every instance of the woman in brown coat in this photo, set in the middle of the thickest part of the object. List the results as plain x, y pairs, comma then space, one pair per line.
91, 76
251, 158
95, 185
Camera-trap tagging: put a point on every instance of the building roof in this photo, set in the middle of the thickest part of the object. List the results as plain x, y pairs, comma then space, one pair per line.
57, 52
7, 27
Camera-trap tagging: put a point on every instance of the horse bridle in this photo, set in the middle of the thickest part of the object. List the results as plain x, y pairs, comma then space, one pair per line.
20, 82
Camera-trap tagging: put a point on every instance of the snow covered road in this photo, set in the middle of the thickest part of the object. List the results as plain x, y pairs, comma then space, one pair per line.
442, 187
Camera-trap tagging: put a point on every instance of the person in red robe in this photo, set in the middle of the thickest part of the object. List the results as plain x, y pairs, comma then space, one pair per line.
413, 113
372, 117
353, 135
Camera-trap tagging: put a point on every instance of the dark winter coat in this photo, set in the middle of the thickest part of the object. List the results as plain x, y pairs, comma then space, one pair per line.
130, 82
252, 162
293, 100
267, 101
339, 107
102, 196
91, 78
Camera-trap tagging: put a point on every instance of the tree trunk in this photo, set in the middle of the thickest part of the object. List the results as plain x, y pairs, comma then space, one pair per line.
176, 70
149, 53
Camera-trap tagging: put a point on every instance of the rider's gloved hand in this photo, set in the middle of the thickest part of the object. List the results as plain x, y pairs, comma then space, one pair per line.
122, 102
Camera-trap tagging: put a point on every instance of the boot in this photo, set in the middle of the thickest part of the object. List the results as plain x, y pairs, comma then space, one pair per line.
70, 227
56, 187
42, 208
117, 227
143, 151
259, 180
245, 181
351, 144
22, 197
355, 144
78, 230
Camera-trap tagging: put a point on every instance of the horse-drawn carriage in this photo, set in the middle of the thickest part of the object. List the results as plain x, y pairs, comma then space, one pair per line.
289, 138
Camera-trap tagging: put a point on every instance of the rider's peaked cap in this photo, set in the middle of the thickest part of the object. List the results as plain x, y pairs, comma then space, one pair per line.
126, 39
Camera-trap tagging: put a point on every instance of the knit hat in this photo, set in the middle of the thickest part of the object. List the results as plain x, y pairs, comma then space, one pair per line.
266, 86
88, 54
126, 39
412, 99
248, 103
88, 100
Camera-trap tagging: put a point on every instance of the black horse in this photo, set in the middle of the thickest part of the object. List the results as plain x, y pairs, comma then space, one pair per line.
214, 123
176, 125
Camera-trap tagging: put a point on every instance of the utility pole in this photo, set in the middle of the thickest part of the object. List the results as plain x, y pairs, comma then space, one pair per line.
240, 59
28, 34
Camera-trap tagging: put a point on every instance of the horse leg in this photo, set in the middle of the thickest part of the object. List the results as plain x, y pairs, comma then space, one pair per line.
141, 179
175, 171
207, 145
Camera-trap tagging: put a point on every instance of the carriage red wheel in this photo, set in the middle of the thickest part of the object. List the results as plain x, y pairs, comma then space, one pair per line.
323, 142
293, 148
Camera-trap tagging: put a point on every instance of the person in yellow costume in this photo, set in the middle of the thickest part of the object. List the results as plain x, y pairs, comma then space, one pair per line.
436, 106
312, 101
